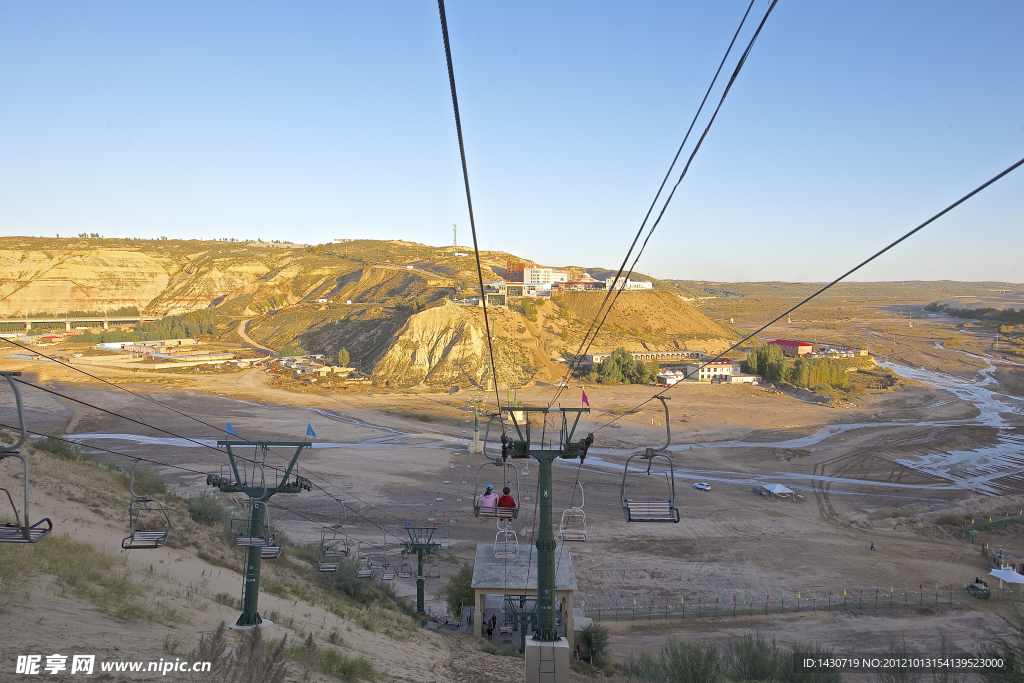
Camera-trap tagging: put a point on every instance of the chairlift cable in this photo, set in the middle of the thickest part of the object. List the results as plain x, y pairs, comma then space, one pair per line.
469, 198
686, 168
831, 284
115, 385
587, 338
178, 436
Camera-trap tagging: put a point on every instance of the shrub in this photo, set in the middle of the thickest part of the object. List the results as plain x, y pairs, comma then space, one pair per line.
54, 444
752, 658
345, 578
147, 482
595, 639
460, 589
951, 519
686, 662
207, 508
898, 512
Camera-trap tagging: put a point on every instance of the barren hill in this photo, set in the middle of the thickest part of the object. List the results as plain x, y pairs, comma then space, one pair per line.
387, 302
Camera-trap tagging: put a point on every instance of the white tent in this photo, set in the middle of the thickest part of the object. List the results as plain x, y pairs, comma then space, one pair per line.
1007, 575
778, 489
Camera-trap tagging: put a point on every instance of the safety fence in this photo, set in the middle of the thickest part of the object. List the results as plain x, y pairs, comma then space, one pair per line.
749, 605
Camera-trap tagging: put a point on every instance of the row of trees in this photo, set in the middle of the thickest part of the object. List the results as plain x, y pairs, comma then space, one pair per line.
181, 326
620, 368
772, 364
1009, 315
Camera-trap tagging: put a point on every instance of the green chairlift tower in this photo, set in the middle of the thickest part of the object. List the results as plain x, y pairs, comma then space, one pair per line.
569, 450
421, 542
251, 478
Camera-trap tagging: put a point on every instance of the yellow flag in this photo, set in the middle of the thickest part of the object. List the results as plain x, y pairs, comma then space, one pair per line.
844, 591
634, 601
798, 595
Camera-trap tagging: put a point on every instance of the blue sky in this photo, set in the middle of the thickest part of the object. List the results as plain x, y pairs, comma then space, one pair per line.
850, 123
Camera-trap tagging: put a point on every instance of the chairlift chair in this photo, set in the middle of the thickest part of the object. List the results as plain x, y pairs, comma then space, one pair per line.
388, 573
333, 545
506, 543
574, 521
651, 510
241, 524
433, 569
16, 532
148, 523
494, 512
405, 570
363, 570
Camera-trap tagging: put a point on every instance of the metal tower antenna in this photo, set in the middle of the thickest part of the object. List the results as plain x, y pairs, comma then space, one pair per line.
455, 236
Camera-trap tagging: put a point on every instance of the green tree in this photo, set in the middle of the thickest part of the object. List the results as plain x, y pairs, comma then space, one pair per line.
801, 373
343, 358
460, 589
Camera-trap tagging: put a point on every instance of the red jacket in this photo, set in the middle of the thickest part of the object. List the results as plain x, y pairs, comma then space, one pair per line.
506, 501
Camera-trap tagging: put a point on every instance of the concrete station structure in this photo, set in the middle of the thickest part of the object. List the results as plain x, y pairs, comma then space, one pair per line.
515, 577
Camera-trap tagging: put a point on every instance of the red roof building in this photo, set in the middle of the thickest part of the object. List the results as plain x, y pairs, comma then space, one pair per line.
793, 348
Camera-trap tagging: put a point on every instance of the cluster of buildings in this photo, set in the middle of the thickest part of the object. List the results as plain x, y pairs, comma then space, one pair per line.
178, 351
532, 280
309, 366
713, 372
802, 349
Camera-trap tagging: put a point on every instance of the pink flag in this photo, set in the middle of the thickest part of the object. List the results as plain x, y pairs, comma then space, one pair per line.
585, 401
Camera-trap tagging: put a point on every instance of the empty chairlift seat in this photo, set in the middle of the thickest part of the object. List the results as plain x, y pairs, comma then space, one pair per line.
574, 522
333, 546
650, 509
148, 523
16, 532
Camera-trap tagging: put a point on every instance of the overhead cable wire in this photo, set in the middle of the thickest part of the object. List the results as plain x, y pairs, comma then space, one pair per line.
115, 385
178, 436
686, 168
469, 198
101, 449
587, 338
831, 284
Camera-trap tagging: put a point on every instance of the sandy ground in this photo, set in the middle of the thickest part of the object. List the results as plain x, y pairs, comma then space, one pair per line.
387, 455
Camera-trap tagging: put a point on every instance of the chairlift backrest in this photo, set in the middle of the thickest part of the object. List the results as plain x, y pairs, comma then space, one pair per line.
17, 532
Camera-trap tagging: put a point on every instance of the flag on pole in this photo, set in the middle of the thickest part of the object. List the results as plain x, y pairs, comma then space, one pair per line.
309, 430
231, 430
585, 401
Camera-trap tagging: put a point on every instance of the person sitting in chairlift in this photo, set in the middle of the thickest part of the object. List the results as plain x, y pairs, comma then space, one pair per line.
506, 501
488, 498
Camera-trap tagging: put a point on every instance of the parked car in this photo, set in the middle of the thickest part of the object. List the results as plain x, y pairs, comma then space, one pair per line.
702, 486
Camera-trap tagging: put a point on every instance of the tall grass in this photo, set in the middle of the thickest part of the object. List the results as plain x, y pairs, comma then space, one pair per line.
332, 662
748, 658
54, 444
102, 578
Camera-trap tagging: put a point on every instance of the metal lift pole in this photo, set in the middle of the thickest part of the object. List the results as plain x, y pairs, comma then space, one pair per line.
240, 482
520, 448
421, 542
